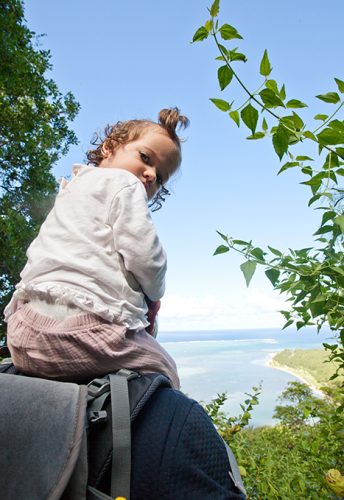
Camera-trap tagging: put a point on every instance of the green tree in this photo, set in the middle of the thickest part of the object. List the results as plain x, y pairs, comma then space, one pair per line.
302, 406
312, 278
34, 133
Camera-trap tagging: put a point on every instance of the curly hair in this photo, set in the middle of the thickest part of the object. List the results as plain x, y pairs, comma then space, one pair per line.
121, 133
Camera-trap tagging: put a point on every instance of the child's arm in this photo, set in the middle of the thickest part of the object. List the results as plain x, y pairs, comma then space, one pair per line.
153, 309
136, 240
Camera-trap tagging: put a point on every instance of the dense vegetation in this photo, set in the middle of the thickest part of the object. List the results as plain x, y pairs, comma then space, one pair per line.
34, 133
292, 459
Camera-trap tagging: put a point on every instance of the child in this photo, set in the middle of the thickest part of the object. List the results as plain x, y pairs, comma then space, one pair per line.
80, 309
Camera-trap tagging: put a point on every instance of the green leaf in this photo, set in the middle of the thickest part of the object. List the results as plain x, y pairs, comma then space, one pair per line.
221, 249
280, 141
273, 275
338, 270
328, 216
340, 222
288, 323
275, 251
209, 25
272, 84
256, 136
329, 346
225, 75
321, 117
323, 230
303, 158
337, 125
201, 34
330, 136
265, 66
307, 170
286, 166
221, 104
264, 125
318, 307
295, 103
309, 135
228, 32
236, 56
235, 117
340, 85
241, 243
248, 268
297, 121
215, 8
249, 116
282, 93
331, 97
313, 199
258, 253
224, 50
270, 99
223, 236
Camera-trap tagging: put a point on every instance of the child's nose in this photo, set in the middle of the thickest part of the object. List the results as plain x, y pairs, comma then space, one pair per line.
150, 174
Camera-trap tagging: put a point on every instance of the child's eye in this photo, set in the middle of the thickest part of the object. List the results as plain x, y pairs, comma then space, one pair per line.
145, 158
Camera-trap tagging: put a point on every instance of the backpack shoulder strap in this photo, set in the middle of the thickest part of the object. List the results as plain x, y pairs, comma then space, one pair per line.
130, 392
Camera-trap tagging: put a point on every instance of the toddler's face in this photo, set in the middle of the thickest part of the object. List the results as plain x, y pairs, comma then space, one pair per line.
153, 158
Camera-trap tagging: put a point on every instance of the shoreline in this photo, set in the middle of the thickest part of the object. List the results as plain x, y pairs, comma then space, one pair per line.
271, 363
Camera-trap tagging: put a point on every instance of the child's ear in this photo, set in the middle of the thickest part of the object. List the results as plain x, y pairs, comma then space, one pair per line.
106, 152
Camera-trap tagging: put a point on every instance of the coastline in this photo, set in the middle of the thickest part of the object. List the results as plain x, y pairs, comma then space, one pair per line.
301, 375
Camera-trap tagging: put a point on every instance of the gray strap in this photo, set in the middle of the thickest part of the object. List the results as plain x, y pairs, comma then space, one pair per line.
93, 494
234, 473
121, 435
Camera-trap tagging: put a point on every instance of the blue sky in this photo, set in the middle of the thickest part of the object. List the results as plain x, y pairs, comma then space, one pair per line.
129, 59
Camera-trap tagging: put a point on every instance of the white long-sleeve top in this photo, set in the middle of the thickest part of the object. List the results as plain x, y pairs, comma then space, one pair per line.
97, 250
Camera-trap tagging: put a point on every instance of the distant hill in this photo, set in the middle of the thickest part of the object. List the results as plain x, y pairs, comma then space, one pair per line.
309, 364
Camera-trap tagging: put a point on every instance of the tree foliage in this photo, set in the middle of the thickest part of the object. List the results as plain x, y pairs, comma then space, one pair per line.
312, 278
34, 133
301, 457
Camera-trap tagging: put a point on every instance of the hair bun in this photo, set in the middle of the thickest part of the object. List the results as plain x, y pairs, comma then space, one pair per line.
170, 119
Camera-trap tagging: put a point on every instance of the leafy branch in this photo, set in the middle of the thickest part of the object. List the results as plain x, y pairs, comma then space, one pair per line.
312, 278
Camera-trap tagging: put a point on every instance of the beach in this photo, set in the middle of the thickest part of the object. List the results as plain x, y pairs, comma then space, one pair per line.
233, 362
303, 376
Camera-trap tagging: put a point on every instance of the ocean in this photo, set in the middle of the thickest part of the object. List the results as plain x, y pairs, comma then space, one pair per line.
234, 361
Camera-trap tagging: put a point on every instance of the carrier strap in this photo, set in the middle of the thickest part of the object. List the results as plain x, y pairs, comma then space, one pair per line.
121, 434
234, 473
93, 494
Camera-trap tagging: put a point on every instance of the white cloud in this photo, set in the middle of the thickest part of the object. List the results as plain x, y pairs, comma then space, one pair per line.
265, 301
253, 308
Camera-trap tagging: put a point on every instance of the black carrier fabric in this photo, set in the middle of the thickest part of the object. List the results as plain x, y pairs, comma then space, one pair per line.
176, 451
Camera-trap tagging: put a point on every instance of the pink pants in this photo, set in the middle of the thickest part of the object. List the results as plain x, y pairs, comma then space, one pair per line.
82, 346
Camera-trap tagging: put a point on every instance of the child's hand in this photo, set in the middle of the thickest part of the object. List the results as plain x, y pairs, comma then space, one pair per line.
153, 308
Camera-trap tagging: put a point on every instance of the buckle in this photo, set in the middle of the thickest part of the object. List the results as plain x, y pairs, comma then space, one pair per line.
98, 386
128, 374
95, 417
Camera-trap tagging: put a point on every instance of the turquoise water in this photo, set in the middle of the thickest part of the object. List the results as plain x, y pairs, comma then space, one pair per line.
233, 361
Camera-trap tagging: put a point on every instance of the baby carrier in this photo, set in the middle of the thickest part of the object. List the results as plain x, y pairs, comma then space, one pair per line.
69, 441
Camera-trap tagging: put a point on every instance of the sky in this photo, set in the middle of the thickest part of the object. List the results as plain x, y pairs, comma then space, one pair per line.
125, 60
